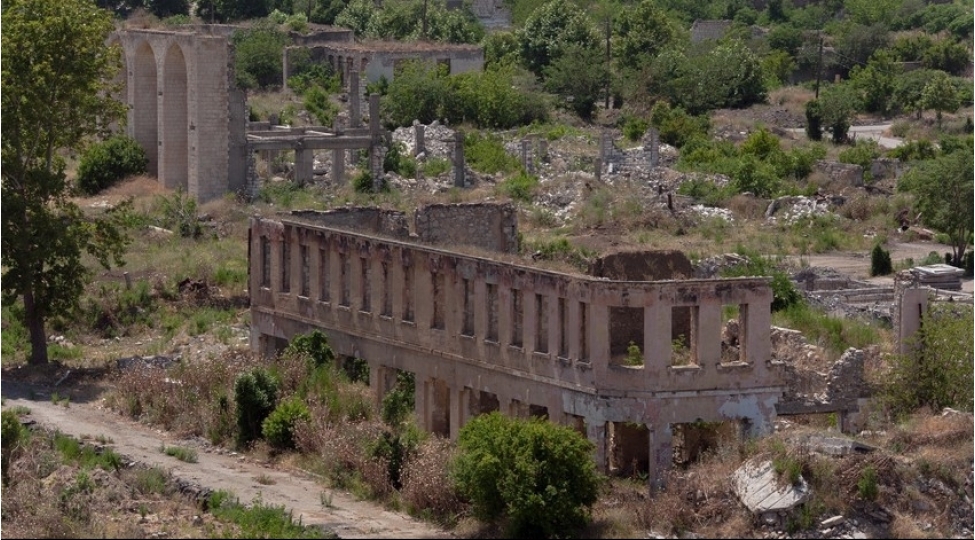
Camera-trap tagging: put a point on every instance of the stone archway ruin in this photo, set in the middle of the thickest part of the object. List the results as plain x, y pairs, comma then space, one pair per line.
184, 109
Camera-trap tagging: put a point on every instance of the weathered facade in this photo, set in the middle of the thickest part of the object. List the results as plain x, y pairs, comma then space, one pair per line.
482, 335
185, 110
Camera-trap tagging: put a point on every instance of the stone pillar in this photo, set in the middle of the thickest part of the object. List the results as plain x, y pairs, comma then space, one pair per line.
459, 180
910, 305
338, 158
375, 147
653, 142
661, 454
524, 148
355, 115
457, 400
304, 165
419, 145
543, 149
596, 433
599, 169
284, 66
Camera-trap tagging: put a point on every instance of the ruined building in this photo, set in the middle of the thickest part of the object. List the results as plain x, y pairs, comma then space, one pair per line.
481, 335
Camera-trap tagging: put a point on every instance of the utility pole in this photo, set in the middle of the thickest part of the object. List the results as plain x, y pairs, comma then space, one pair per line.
819, 63
608, 59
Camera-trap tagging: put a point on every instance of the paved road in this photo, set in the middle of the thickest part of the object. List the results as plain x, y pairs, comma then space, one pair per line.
347, 517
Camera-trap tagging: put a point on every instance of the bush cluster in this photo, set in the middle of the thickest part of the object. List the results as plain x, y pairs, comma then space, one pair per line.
105, 163
536, 475
255, 393
488, 99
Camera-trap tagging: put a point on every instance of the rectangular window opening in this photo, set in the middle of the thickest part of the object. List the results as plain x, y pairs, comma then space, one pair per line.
626, 336
683, 334
563, 334
517, 312
344, 277
265, 262
468, 326
492, 313
583, 331
408, 293
438, 301
323, 260
387, 310
541, 323
365, 273
305, 272
286, 266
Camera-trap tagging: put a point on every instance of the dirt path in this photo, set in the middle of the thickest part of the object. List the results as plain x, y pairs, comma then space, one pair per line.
346, 516
857, 265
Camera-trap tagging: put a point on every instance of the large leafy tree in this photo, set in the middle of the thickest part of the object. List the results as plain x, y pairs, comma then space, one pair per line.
552, 28
940, 94
642, 32
56, 92
944, 188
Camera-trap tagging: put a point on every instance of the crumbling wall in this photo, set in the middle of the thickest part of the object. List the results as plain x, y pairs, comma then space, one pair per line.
643, 265
491, 226
369, 220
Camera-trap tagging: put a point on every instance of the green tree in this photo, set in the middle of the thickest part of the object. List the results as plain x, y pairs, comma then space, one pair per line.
538, 475
56, 92
220, 11
837, 104
550, 29
641, 32
578, 77
258, 51
944, 191
875, 82
356, 16
940, 94
946, 55
908, 89
937, 370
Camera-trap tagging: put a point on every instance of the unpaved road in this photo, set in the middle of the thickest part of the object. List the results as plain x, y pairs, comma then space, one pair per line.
857, 265
346, 516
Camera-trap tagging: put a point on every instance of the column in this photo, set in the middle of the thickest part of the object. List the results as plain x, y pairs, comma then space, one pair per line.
661, 454
375, 150
596, 433
419, 145
459, 180
355, 115
304, 165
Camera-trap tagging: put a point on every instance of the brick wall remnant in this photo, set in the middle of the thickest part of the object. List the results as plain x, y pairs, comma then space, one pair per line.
491, 226
369, 220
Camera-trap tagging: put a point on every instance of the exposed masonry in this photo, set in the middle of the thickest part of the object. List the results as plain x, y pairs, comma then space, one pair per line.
184, 109
483, 335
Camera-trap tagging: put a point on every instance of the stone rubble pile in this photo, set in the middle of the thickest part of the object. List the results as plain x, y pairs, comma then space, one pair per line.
437, 140
712, 266
791, 209
707, 212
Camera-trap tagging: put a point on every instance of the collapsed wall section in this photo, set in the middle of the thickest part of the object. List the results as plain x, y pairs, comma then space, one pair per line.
489, 226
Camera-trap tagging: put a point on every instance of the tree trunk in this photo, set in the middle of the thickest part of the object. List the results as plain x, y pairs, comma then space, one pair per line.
35, 325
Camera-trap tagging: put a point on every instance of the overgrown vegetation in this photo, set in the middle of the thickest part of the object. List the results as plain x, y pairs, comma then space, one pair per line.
106, 162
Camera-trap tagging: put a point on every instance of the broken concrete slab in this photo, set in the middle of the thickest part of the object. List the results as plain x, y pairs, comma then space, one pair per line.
836, 446
758, 487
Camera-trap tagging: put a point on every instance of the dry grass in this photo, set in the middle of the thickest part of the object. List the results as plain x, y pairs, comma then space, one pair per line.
792, 97
427, 488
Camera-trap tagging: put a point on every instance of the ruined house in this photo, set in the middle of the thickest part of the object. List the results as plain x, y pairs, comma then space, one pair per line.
481, 334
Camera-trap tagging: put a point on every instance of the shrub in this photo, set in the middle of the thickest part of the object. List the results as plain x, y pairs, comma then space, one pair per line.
395, 448
486, 154
258, 52
105, 163
784, 292
814, 120
520, 187
867, 484
255, 392
538, 475
11, 433
398, 404
320, 106
315, 345
362, 183
279, 427
399, 161
634, 128
937, 369
862, 153
880, 264
179, 214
